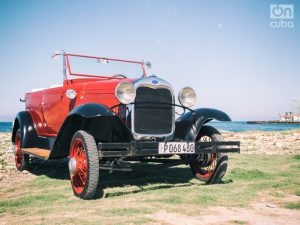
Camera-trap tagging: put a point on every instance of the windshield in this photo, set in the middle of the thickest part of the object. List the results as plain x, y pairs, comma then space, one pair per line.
91, 66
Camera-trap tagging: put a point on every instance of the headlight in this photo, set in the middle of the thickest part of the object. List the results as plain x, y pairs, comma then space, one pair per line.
187, 97
125, 92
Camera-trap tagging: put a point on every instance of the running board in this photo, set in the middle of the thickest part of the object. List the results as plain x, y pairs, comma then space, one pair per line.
38, 152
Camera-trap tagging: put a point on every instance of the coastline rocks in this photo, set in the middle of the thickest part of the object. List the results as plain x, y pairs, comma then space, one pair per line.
267, 142
6, 152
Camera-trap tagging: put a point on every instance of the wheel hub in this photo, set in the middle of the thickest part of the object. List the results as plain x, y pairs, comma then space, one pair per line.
72, 166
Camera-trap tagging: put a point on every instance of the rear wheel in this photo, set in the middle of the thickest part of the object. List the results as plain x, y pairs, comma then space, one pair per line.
84, 166
21, 159
209, 168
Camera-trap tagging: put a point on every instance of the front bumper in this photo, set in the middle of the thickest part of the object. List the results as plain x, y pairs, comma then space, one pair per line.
138, 148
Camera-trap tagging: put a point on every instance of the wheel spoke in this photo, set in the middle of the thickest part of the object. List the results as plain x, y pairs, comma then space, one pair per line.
82, 178
83, 162
82, 156
74, 181
83, 167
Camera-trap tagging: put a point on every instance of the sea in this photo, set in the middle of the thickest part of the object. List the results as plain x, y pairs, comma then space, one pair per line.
5, 126
235, 126
240, 126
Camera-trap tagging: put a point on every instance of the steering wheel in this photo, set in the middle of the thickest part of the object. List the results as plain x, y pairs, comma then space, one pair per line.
119, 75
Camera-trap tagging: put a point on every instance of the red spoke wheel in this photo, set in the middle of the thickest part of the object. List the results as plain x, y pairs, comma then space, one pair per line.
209, 168
84, 166
21, 159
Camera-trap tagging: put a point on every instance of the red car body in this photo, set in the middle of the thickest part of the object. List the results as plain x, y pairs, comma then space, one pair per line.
50, 107
104, 122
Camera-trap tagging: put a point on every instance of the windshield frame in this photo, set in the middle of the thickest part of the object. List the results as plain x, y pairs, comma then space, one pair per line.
68, 65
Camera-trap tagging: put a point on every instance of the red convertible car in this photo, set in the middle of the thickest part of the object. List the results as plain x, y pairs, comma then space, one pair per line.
103, 122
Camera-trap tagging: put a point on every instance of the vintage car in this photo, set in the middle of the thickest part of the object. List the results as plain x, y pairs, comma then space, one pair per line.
103, 122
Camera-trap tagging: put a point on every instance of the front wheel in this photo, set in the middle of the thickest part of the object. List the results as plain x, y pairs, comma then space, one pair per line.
84, 166
212, 167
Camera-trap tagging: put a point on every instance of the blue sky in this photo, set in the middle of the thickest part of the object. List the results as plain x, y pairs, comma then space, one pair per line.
225, 50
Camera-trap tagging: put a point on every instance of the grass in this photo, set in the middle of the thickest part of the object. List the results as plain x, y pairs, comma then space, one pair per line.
239, 222
129, 197
13, 205
293, 205
297, 157
243, 174
127, 211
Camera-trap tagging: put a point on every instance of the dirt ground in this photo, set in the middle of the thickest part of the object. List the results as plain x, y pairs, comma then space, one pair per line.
266, 210
259, 213
221, 215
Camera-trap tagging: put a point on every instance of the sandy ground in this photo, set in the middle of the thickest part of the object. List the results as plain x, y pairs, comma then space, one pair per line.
266, 211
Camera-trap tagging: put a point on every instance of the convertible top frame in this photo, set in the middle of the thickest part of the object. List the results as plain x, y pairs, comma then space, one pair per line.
67, 65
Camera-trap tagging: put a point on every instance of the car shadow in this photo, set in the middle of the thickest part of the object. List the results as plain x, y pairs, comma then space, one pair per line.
145, 176
56, 169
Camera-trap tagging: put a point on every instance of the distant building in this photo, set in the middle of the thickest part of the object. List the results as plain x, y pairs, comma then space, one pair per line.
292, 116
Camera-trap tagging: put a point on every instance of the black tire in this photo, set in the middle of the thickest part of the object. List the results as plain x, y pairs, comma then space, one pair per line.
90, 189
209, 168
21, 159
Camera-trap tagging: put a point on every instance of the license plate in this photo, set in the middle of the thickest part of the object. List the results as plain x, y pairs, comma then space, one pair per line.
176, 148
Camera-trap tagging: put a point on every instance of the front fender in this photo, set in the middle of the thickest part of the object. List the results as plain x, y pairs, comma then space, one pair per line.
187, 126
100, 121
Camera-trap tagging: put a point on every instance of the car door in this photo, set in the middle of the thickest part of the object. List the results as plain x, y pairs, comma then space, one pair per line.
55, 108
33, 106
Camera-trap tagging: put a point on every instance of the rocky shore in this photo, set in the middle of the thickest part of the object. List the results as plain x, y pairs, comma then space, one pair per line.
267, 142
252, 142
6, 150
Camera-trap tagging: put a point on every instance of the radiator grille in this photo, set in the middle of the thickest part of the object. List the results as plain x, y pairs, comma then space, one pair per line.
153, 112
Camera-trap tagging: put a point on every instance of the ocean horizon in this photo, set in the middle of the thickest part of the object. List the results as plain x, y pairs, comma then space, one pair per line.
233, 126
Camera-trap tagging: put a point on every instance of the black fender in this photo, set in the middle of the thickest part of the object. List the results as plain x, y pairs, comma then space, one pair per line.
24, 122
30, 138
188, 125
98, 120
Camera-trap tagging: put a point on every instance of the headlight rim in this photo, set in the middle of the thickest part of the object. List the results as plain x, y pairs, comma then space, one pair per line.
180, 97
117, 96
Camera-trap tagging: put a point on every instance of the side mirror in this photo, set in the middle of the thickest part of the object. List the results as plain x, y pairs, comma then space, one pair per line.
148, 65
55, 55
